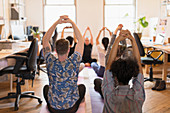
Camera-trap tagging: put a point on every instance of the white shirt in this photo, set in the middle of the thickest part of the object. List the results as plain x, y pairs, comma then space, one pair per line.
101, 55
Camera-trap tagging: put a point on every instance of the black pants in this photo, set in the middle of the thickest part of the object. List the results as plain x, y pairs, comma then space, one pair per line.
82, 90
97, 86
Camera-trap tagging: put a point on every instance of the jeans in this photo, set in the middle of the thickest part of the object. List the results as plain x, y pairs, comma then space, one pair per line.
98, 69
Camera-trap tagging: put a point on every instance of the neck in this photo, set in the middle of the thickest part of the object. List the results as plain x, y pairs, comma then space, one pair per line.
62, 58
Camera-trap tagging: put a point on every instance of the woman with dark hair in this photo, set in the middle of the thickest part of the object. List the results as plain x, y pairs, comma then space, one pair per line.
99, 68
70, 39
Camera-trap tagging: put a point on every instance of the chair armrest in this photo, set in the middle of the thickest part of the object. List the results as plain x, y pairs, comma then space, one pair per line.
19, 62
154, 51
22, 53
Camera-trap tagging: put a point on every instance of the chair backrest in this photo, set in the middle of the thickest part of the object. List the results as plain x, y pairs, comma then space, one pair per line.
54, 39
139, 44
32, 55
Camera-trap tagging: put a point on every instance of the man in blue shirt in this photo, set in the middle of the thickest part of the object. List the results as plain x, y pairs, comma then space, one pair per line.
63, 95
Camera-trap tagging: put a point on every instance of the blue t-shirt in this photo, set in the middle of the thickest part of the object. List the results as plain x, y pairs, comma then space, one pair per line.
63, 76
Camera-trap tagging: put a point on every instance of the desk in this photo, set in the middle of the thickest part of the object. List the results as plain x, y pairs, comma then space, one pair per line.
12, 48
166, 50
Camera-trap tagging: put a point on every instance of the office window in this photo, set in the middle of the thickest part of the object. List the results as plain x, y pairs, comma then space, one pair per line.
120, 12
53, 9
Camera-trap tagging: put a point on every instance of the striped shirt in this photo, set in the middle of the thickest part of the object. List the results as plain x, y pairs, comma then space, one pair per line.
123, 98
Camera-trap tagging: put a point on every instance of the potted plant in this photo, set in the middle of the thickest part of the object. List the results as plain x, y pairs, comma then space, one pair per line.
141, 23
36, 34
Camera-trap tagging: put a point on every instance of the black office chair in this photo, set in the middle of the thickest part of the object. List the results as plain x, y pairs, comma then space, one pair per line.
24, 68
54, 37
148, 60
40, 59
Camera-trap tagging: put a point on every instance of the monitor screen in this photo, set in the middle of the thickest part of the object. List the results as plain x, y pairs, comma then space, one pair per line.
160, 38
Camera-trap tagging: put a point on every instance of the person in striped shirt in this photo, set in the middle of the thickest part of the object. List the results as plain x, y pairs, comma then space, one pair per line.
118, 95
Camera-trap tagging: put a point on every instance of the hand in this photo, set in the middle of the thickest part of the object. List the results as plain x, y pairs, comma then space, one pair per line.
103, 28
59, 21
66, 19
88, 28
119, 26
130, 37
123, 35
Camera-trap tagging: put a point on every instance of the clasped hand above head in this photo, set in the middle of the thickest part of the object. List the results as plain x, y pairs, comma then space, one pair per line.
64, 19
125, 34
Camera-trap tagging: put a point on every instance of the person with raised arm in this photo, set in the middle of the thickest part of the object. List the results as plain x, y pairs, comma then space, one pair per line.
100, 68
63, 95
88, 45
118, 95
70, 39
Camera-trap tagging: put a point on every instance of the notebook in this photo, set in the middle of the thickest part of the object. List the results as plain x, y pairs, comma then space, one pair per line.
160, 39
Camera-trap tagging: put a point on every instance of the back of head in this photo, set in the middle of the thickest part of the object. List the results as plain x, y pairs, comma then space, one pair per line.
70, 39
105, 42
62, 46
124, 69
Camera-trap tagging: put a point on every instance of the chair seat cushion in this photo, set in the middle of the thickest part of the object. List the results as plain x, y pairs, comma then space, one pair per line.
148, 60
10, 69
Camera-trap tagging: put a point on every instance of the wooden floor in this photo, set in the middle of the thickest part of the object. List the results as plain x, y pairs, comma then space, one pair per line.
156, 101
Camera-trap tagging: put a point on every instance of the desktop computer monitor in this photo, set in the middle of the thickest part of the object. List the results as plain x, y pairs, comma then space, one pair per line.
160, 38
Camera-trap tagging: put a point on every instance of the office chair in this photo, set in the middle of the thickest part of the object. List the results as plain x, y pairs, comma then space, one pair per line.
54, 37
24, 68
40, 59
148, 60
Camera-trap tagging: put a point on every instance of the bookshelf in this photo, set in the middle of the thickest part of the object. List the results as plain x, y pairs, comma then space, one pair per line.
165, 8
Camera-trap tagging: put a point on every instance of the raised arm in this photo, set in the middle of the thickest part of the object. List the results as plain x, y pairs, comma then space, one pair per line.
85, 33
91, 39
75, 39
135, 50
98, 36
48, 35
109, 31
119, 27
62, 33
113, 51
80, 45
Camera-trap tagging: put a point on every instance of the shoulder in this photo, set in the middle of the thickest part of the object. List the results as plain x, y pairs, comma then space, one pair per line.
76, 56
49, 57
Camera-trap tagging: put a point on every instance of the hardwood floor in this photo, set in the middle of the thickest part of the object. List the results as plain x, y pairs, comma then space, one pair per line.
156, 101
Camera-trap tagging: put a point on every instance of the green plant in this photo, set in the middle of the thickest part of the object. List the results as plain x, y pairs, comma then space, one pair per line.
35, 32
141, 23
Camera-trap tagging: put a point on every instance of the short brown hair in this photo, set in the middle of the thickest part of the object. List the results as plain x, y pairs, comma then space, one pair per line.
62, 46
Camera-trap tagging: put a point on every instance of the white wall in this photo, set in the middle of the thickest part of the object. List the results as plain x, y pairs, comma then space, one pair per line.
34, 13
90, 13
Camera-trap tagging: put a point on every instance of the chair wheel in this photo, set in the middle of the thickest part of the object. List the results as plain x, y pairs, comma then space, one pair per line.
40, 101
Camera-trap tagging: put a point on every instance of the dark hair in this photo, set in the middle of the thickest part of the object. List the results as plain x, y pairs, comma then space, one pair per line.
70, 39
124, 69
105, 42
62, 46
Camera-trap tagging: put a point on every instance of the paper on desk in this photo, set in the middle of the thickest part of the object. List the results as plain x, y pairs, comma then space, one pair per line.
6, 51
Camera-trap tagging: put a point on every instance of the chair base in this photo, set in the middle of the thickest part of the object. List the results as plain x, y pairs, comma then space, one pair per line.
19, 96
151, 79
